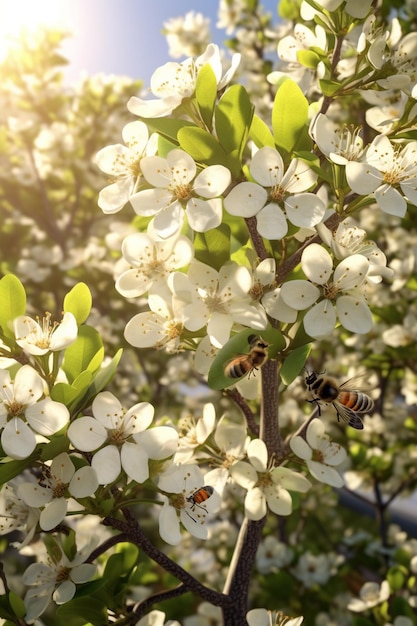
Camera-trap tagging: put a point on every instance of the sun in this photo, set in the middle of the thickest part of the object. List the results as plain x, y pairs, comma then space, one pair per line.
28, 16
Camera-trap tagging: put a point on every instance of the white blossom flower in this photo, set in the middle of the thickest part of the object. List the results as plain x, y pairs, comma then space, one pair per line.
321, 455
161, 327
344, 290
173, 82
390, 173
156, 618
316, 569
183, 482
272, 188
187, 35
266, 486
40, 338
176, 185
55, 581
341, 144
221, 299
61, 480
349, 239
273, 555
355, 8
151, 261
15, 514
121, 438
23, 414
122, 162
371, 594
302, 38
193, 433
394, 53
262, 617
403, 334
230, 14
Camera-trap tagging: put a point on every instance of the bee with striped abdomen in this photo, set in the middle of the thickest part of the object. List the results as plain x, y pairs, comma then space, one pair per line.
197, 499
244, 364
346, 399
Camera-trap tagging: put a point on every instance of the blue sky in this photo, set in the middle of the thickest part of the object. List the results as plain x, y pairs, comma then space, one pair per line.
124, 36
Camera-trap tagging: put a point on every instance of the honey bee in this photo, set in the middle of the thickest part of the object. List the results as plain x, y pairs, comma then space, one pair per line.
346, 399
246, 363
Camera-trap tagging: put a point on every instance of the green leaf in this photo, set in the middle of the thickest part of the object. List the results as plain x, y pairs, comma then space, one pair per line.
294, 363
329, 87
203, 147
82, 611
289, 115
65, 393
213, 246
6, 610
396, 577
167, 127
233, 119
13, 302
59, 444
236, 346
10, 469
78, 302
79, 354
259, 132
102, 378
308, 58
206, 93
289, 10
17, 605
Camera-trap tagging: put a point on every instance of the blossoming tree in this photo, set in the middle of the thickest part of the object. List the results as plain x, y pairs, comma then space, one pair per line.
262, 201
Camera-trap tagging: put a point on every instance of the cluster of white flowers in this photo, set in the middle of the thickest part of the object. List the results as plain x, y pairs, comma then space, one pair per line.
238, 229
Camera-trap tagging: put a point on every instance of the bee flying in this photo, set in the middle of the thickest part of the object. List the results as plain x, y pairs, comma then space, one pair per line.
347, 400
244, 364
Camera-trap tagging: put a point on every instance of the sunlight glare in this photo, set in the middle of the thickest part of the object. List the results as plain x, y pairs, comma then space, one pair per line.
17, 16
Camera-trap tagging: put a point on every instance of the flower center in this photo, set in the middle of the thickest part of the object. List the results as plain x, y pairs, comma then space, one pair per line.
182, 191
330, 291
215, 304
63, 573
277, 194
264, 480
350, 143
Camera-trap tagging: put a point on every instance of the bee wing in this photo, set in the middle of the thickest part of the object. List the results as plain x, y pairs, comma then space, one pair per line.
348, 416
357, 383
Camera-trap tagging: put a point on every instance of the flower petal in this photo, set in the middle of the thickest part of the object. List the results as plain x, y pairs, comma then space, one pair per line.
271, 222
204, 214
169, 526
245, 200
317, 263
255, 504
106, 462
17, 439
84, 483
244, 474
299, 294
135, 461
301, 448
320, 320
46, 417
258, 455
53, 514
325, 474
354, 314
212, 181
305, 210
87, 434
